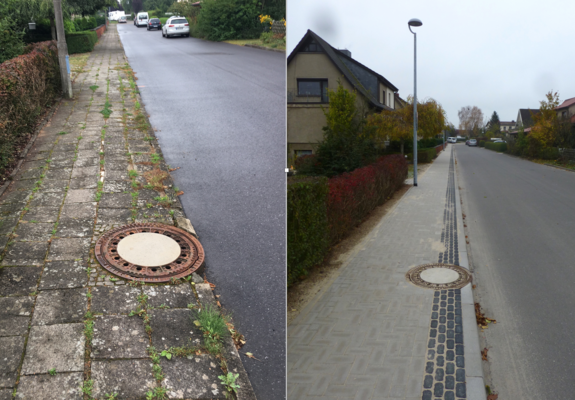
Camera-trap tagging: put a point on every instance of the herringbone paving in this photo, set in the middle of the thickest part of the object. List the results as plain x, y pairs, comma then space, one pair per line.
366, 337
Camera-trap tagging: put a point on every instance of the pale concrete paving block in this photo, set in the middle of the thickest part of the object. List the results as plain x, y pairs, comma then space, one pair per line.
54, 346
64, 275
15, 315
69, 249
5, 394
194, 377
130, 379
60, 306
19, 281
119, 337
114, 300
21, 253
11, 349
172, 296
62, 386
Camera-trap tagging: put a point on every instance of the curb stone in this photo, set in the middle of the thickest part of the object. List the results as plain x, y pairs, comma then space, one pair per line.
255, 46
473, 369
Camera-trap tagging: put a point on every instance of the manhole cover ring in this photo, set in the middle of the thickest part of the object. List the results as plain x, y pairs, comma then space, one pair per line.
190, 259
439, 276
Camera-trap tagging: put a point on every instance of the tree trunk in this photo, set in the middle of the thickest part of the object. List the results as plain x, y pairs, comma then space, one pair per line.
53, 28
402, 147
62, 49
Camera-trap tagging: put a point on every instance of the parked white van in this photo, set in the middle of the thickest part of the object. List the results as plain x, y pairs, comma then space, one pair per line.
451, 140
142, 19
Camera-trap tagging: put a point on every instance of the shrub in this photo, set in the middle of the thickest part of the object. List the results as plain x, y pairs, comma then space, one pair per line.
482, 143
28, 83
352, 196
81, 42
86, 23
500, 147
228, 19
100, 21
307, 234
11, 43
549, 153
424, 155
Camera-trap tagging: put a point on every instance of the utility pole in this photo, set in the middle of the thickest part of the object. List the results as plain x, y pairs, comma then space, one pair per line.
62, 49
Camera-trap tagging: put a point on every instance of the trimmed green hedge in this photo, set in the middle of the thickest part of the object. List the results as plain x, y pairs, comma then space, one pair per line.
307, 235
424, 155
81, 42
482, 143
549, 153
500, 147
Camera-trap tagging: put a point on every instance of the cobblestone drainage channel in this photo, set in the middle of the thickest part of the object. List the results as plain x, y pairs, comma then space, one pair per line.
439, 276
150, 252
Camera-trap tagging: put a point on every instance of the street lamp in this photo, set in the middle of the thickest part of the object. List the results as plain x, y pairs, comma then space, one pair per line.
414, 22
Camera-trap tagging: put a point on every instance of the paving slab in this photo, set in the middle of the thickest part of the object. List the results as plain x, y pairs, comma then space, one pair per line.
116, 200
4, 239
58, 174
7, 224
174, 328
47, 199
15, 315
34, 231
69, 249
172, 296
86, 172
195, 377
55, 346
84, 183
42, 214
20, 253
60, 306
51, 186
19, 281
119, 337
114, 299
5, 394
114, 216
130, 379
62, 386
14, 197
64, 275
80, 196
11, 349
78, 211
117, 186
75, 228
21, 185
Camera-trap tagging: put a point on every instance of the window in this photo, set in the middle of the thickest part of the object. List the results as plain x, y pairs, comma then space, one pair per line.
312, 88
299, 153
312, 47
389, 104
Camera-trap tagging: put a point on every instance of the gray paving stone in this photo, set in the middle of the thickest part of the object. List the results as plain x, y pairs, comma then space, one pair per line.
119, 216
75, 228
7, 224
51, 186
5, 394
80, 196
173, 296
62, 386
84, 183
21, 253
15, 315
28, 174
47, 199
4, 239
130, 379
64, 275
116, 200
18, 281
78, 211
14, 197
21, 185
117, 175
174, 328
55, 346
155, 214
11, 349
42, 214
69, 249
9, 210
34, 232
88, 161
114, 299
193, 378
86, 172
119, 337
117, 186
60, 306
58, 174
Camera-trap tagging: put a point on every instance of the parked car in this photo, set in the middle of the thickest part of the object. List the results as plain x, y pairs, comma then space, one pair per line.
123, 20
176, 26
452, 140
142, 19
154, 24
472, 142
499, 141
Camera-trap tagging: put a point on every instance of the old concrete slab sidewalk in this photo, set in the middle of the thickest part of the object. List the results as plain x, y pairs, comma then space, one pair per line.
68, 328
371, 334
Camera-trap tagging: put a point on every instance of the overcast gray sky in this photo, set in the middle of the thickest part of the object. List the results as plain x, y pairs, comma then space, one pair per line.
497, 55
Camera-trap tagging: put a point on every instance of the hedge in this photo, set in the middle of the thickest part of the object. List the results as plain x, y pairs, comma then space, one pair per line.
500, 147
28, 83
549, 153
81, 42
307, 235
482, 143
424, 155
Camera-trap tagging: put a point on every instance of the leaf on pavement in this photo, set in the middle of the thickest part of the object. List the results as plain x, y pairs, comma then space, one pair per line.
482, 321
173, 169
250, 355
484, 354
493, 396
181, 192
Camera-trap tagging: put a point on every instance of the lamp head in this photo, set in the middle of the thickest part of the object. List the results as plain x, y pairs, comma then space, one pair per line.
415, 22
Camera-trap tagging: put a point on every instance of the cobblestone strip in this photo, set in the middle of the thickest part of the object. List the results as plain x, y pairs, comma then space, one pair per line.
444, 376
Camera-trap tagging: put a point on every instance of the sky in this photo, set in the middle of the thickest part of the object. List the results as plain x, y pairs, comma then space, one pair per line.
497, 55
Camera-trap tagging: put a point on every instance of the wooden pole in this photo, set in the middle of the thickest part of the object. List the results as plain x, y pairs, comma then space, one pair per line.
62, 49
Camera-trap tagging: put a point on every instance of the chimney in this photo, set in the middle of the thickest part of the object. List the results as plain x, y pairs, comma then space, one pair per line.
346, 52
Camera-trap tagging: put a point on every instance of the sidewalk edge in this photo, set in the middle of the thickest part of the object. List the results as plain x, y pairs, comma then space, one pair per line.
473, 368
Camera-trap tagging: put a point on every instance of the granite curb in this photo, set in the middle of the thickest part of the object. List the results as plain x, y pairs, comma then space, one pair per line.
474, 369
255, 46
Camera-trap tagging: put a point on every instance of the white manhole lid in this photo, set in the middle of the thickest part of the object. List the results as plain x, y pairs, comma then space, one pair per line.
149, 249
439, 276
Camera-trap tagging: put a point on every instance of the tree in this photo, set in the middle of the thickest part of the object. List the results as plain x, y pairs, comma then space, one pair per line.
545, 123
398, 124
137, 6
493, 126
471, 119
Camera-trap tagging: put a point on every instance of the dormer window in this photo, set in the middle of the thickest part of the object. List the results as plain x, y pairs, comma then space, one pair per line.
312, 47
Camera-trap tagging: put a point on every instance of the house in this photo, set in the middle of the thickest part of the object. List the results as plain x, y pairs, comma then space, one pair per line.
524, 120
506, 127
567, 109
313, 67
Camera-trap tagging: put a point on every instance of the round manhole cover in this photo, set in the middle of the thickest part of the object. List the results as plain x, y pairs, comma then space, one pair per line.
439, 276
149, 252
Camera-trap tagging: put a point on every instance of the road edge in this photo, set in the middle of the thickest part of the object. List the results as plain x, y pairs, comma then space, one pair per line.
473, 366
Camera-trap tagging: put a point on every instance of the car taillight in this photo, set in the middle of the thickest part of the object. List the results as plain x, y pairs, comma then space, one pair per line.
171, 26
187, 25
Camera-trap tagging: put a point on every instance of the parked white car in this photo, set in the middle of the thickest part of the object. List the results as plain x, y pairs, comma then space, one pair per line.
141, 19
176, 26
451, 140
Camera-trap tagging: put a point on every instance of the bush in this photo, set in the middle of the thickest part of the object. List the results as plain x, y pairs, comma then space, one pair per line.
100, 21
228, 19
85, 24
307, 234
28, 83
424, 155
81, 42
499, 147
11, 43
482, 143
352, 196
549, 153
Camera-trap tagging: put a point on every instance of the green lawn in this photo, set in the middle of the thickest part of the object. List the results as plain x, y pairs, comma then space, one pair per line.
276, 44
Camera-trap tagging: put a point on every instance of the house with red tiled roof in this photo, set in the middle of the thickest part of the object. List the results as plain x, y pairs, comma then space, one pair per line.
567, 109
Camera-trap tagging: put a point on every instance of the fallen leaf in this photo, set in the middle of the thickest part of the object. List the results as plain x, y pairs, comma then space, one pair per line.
181, 192
173, 169
493, 397
250, 355
484, 354
219, 304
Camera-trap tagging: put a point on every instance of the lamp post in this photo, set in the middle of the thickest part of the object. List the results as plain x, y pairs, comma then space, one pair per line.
414, 22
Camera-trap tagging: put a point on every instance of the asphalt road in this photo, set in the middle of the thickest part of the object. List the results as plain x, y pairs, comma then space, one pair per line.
220, 114
520, 224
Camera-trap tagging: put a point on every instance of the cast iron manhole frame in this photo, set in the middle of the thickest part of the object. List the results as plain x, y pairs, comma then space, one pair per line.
190, 260
413, 276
